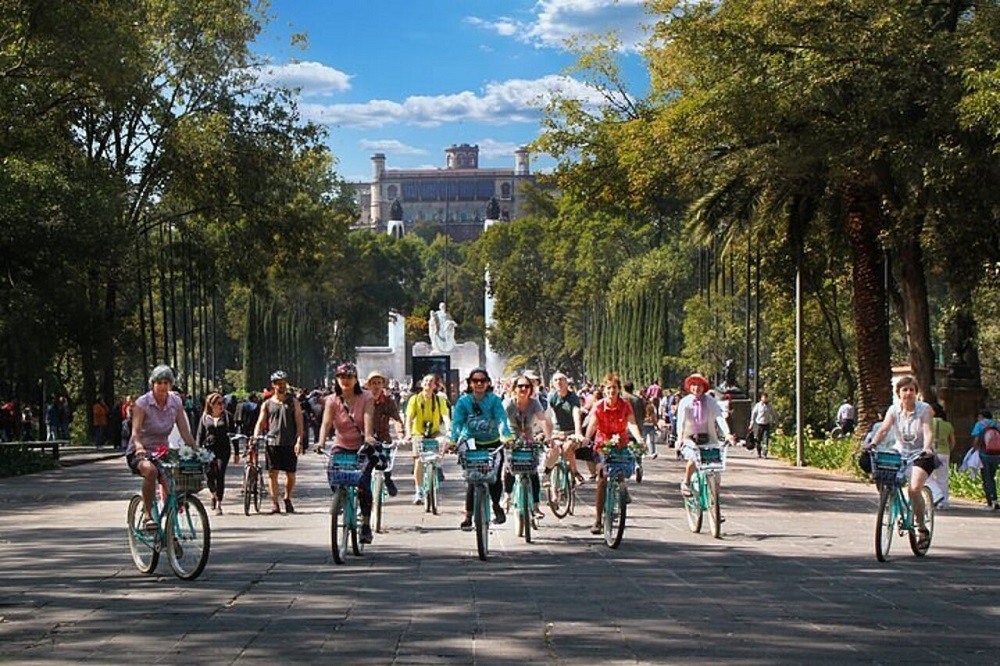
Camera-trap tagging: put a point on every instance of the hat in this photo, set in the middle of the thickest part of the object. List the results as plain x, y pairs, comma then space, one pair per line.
696, 378
373, 374
347, 369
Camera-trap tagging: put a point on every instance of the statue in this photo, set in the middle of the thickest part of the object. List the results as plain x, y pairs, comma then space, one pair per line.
441, 328
729, 384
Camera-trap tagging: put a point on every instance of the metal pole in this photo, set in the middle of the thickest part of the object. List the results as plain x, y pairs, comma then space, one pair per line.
799, 444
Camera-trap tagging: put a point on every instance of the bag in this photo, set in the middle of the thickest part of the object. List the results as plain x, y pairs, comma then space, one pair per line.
991, 440
971, 463
751, 441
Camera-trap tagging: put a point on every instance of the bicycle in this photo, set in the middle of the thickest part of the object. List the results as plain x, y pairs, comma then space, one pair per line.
479, 468
523, 463
710, 462
895, 511
619, 466
379, 492
253, 474
182, 527
344, 473
430, 456
562, 486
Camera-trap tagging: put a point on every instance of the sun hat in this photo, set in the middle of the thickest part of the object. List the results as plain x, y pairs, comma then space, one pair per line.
696, 378
373, 374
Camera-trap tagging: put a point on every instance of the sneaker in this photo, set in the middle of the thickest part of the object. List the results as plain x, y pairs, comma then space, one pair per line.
996, 506
466, 525
685, 489
654, 455
288, 506
366, 534
596, 528
500, 518
390, 486
988, 507
537, 513
214, 503
418, 497
218, 510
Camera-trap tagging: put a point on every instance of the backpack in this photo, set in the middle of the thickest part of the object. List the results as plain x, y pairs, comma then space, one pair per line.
991, 440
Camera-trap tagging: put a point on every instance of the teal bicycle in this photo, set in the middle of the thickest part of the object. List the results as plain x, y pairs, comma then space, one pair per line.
430, 457
379, 492
895, 511
710, 463
523, 463
479, 467
562, 486
619, 466
344, 472
182, 527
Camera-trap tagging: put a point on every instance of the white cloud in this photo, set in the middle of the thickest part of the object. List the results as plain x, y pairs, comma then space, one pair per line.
392, 146
311, 78
555, 21
511, 101
490, 149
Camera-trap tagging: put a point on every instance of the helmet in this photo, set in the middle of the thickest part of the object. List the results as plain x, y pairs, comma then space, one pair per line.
278, 376
347, 369
160, 373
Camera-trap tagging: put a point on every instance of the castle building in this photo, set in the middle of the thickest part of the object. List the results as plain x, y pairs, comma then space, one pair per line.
454, 197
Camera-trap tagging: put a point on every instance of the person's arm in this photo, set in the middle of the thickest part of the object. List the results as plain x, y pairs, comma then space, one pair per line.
299, 428
445, 419
261, 419
545, 423
138, 417
369, 419
500, 415
632, 426
327, 424
927, 421
577, 422
201, 434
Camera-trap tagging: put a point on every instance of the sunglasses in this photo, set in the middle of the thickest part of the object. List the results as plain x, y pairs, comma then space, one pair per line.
478, 380
524, 386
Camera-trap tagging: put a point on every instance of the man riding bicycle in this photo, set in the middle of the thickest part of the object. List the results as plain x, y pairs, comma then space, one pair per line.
426, 418
568, 432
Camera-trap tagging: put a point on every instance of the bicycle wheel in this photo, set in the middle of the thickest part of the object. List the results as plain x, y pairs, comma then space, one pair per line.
357, 545
481, 518
559, 492
430, 490
141, 544
614, 515
524, 508
378, 499
925, 493
885, 523
258, 488
189, 538
338, 526
693, 505
248, 488
714, 510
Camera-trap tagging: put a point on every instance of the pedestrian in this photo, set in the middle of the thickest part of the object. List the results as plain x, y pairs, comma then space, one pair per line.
8, 416
762, 417
99, 416
281, 418
944, 443
986, 439
52, 420
65, 417
213, 433
846, 418
386, 411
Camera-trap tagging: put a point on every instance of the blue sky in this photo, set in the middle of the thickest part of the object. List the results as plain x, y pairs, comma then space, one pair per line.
410, 77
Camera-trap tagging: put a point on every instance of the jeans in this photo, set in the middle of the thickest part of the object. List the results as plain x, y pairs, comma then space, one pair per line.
762, 433
649, 435
991, 461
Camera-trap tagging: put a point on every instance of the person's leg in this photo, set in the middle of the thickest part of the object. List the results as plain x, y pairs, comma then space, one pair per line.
289, 485
147, 471
272, 488
599, 503
988, 473
918, 477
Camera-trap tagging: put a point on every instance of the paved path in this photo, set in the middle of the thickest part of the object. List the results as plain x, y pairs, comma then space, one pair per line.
794, 580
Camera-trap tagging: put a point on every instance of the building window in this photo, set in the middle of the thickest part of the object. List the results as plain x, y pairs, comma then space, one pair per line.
390, 192
505, 191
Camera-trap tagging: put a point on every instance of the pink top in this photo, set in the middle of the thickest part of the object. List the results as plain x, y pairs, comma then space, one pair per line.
157, 422
349, 434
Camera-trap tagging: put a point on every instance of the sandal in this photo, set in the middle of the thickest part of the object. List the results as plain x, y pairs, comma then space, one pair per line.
580, 479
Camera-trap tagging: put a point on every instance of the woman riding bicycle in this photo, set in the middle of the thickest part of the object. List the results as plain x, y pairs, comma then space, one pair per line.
351, 413
479, 415
523, 412
910, 421
699, 419
610, 416
154, 415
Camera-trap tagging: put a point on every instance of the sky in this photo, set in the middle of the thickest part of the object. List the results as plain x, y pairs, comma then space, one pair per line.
408, 78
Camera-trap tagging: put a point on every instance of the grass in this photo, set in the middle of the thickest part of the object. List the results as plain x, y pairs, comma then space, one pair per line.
841, 455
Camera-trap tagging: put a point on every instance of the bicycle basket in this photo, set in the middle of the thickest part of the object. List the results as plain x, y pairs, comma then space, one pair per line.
523, 460
429, 450
620, 461
888, 460
477, 466
344, 469
189, 476
710, 455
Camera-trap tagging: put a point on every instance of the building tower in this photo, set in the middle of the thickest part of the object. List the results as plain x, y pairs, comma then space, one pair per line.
378, 168
521, 162
462, 156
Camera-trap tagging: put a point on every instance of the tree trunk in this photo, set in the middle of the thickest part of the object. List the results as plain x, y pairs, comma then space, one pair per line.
915, 309
863, 223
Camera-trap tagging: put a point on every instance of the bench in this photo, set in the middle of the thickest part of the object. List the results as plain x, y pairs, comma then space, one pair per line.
39, 445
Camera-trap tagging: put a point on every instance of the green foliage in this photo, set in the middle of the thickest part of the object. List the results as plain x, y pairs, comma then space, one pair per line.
15, 461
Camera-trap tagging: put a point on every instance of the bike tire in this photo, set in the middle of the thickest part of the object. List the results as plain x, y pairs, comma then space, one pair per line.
928, 497
524, 509
430, 491
714, 508
357, 545
142, 545
258, 488
481, 519
693, 505
378, 500
189, 538
885, 524
247, 490
338, 526
614, 515
560, 492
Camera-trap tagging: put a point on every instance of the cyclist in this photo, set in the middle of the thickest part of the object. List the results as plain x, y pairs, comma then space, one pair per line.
911, 423
350, 411
610, 416
699, 420
281, 416
523, 412
386, 411
213, 433
426, 418
154, 415
479, 415
565, 405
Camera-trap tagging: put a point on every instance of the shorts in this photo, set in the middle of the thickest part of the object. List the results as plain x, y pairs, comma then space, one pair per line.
584, 452
132, 462
282, 458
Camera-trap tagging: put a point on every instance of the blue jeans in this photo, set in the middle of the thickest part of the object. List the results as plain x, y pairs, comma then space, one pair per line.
649, 435
991, 462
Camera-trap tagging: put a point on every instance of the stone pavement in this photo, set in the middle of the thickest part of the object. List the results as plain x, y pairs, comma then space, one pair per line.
794, 580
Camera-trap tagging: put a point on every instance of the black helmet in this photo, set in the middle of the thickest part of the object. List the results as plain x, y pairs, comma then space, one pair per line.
278, 375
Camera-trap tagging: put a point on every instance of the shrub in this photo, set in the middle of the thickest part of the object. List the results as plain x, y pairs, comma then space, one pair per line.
15, 461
